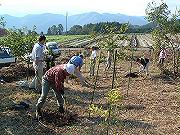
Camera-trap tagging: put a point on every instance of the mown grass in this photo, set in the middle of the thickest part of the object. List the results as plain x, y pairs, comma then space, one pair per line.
64, 38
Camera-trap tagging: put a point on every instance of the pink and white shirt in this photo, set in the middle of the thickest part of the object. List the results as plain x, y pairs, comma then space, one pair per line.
162, 54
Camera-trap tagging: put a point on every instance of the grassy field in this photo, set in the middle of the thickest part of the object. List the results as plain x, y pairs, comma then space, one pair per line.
64, 38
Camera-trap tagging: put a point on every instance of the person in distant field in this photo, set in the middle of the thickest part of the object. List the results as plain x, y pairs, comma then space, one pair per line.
77, 61
86, 52
144, 64
54, 78
108, 60
93, 61
38, 58
162, 56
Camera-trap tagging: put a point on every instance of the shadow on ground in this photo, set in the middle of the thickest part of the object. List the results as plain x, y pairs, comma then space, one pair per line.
132, 107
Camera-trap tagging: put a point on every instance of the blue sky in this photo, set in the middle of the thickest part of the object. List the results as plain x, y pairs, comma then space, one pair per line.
128, 7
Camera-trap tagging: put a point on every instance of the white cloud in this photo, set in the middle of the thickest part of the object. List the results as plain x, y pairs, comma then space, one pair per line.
129, 7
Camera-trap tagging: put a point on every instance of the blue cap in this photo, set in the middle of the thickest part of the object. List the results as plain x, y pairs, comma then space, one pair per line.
76, 60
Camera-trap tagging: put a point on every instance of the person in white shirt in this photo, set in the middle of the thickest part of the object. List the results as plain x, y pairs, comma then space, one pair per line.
162, 56
37, 58
108, 60
93, 60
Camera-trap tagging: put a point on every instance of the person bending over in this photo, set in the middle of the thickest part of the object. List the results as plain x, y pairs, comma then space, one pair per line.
144, 64
54, 78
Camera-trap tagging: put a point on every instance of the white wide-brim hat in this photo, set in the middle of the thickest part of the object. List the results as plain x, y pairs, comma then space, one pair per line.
69, 68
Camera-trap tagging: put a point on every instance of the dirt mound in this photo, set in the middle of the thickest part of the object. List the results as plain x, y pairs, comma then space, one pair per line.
56, 119
15, 72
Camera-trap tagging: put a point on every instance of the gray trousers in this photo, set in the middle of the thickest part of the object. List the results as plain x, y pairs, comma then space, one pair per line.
108, 63
45, 89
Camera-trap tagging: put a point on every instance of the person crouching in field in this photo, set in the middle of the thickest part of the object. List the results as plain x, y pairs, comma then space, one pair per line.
144, 64
77, 61
54, 78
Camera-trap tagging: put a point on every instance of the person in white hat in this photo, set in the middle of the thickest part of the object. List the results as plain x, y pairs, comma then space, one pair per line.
54, 78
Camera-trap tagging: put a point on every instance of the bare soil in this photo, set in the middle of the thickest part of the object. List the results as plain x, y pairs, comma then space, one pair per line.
151, 105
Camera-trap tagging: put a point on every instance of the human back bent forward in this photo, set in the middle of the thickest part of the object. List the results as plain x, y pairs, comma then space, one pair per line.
144, 65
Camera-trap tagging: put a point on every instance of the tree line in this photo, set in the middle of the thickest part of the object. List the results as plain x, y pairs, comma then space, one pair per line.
99, 28
55, 30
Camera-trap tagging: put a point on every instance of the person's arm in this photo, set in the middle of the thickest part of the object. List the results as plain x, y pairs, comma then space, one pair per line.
80, 66
82, 80
78, 74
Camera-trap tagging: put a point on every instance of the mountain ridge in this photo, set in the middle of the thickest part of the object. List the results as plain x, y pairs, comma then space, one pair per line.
46, 20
